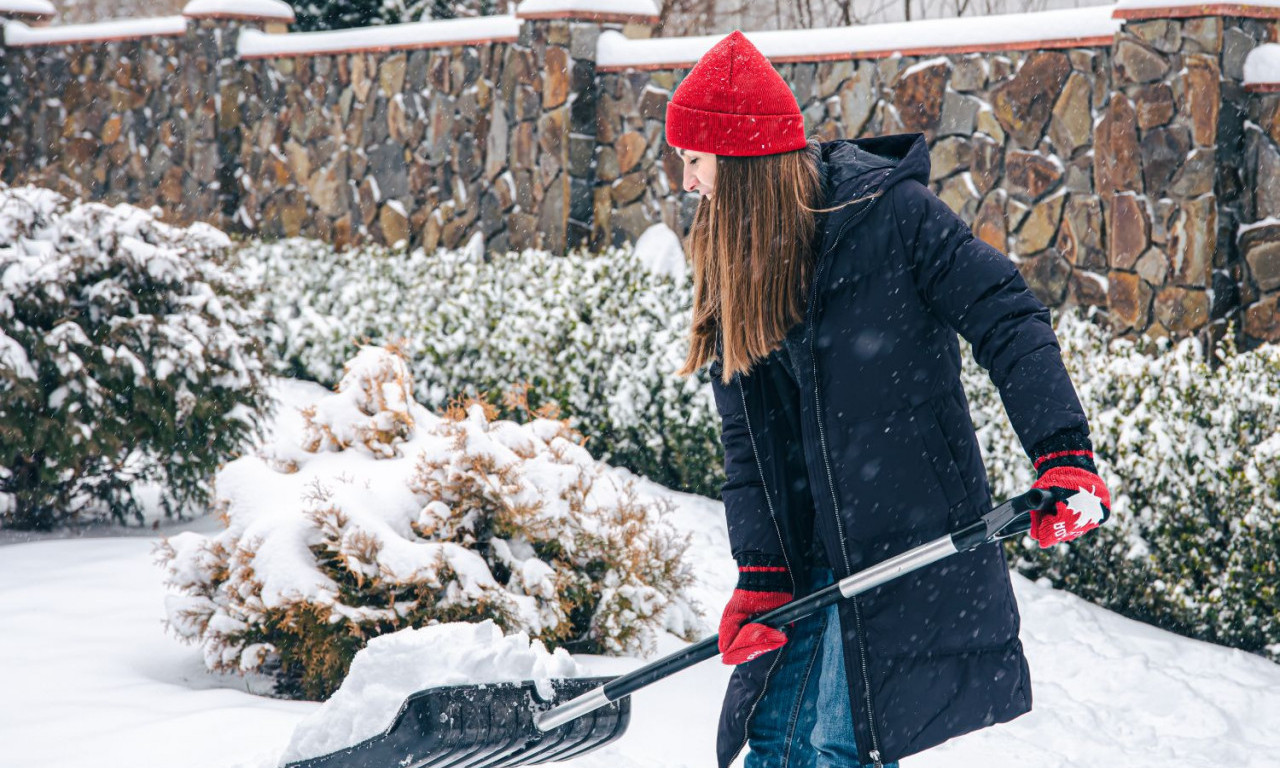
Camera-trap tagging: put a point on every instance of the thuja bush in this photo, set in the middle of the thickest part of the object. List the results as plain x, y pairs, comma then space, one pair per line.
124, 359
377, 514
597, 335
1186, 439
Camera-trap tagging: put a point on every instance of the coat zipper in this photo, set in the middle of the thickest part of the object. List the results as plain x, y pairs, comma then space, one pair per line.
782, 545
874, 754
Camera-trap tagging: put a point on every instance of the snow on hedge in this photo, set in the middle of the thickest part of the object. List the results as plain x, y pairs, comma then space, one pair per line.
1186, 440
124, 358
373, 514
599, 335
395, 666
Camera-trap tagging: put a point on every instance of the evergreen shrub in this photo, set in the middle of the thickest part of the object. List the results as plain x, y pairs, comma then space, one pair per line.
124, 360
377, 515
597, 335
1186, 439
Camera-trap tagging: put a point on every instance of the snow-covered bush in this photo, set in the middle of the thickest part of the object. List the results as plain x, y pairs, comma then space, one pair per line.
1191, 455
599, 335
374, 514
124, 358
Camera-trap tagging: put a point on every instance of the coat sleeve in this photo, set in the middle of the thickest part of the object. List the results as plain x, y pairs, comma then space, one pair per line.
979, 292
747, 505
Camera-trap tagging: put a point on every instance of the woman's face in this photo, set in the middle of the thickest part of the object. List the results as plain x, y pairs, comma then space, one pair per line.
699, 171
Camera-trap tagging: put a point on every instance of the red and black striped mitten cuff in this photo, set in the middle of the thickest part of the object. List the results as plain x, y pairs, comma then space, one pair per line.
1071, 448
763, 573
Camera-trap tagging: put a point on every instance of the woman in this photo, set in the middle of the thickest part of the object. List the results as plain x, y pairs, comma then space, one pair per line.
829, 285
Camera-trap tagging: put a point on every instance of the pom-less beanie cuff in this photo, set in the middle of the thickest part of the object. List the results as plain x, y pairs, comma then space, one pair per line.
725, 133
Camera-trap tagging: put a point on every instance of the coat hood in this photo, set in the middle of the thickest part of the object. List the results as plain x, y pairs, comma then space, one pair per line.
853, 168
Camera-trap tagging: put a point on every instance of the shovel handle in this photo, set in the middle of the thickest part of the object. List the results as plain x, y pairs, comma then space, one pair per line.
1011, 518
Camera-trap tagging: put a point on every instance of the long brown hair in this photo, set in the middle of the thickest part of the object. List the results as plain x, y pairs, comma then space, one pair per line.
751, 248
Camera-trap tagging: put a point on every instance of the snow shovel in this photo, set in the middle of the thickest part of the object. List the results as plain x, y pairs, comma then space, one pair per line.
502, 725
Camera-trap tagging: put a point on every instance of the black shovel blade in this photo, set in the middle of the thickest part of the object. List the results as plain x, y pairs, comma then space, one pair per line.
482, 726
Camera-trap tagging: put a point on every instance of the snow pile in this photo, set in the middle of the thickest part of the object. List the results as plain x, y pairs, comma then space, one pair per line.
459, 517
18, 34
27, 7
1262, 65
660, 250
1190, 454
123, 358
253, 44
239, 9
393, 667
598, 335
602, 7
1075, 26
372, 408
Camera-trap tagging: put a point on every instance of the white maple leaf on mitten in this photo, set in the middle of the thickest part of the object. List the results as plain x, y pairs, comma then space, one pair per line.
1087, 506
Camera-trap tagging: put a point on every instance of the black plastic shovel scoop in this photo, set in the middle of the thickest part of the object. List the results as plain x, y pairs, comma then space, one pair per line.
501, 725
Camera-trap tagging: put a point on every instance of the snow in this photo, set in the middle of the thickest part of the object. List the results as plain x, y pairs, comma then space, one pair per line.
255, 9
85, 616
1132, 5
18, 34
29, 7
618, 7
1262, 65
1269, 221
1087, 24
659, 249
255, 44
394, 666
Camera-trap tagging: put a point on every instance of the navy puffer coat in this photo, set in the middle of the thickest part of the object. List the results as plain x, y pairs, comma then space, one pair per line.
870, 451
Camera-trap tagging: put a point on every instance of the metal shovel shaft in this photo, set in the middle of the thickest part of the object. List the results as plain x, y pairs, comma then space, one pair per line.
1009, 519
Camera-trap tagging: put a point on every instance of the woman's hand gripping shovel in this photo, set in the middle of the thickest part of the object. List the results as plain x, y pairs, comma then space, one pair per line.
500, 725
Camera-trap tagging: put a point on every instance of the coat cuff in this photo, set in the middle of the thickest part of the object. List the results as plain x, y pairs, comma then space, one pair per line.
1069, 448
758, 572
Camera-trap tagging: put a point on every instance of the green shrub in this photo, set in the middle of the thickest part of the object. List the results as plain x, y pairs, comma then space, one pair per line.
599, 336
1192, 459
124, 360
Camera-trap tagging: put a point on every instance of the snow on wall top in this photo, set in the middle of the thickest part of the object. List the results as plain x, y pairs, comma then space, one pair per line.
1170, 9
238, 9
253, 44
18, 34
1262, 66
1061, 28
592, 8
27, 7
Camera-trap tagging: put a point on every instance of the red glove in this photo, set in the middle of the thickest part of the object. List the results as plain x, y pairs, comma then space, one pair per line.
763, 584
1066, 468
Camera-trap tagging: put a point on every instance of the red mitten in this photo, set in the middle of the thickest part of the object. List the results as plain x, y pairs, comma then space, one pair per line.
763, 584
1066, 468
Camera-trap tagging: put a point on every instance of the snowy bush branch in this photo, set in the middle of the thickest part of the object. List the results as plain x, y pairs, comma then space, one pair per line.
124, 357
1192, 458
401, 518
598, 335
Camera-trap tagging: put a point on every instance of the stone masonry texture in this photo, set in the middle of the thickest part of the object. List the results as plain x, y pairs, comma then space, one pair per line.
1141, 178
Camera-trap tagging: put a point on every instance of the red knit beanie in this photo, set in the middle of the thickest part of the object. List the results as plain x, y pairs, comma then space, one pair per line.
734, 103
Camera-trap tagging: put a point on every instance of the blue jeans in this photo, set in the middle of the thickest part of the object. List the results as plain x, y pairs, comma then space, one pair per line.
804, 719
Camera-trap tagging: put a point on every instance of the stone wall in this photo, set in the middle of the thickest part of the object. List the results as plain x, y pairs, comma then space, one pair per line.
1134, 173
1256, 271
124, 121
1011, 148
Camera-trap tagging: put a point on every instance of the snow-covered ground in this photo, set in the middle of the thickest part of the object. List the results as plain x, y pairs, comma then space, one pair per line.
89, 677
